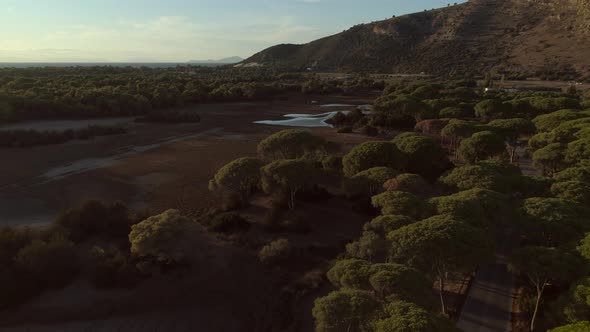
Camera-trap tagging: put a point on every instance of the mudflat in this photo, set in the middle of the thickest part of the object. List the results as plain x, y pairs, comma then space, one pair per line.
155, 166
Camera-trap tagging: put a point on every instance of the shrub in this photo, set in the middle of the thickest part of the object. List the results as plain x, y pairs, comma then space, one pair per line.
275, 252
53, 263
290, 144
111, 268
161, 237
96, 219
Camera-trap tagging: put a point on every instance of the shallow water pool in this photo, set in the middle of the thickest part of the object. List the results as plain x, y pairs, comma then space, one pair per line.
302, 120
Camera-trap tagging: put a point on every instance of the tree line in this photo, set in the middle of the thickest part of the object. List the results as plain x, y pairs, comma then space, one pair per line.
85, 92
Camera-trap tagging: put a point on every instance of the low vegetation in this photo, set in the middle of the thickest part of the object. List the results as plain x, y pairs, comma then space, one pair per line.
28, 138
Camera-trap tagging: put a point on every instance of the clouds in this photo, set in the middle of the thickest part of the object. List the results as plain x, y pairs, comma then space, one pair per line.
175, 30
164, 38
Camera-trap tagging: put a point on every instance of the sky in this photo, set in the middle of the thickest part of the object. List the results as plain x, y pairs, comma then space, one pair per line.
176, 30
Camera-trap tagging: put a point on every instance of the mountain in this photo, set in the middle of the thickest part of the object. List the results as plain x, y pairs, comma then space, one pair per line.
230, 60
538, 37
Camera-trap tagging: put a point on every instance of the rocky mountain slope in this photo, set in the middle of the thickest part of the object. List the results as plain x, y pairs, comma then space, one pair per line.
533, 37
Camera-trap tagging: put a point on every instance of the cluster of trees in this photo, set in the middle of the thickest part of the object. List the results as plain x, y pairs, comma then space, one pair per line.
387, 276
359, 84
476, 127
435, 220
27, 138
101, 242
561, 140
81, 92
487, 134
556, 254
448, 227
432, 225
472, 125
289, 162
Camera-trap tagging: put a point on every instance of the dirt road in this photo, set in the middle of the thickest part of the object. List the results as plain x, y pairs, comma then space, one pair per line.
488, 307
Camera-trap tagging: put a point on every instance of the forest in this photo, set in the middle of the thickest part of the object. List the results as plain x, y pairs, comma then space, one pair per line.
86, 92
439, 178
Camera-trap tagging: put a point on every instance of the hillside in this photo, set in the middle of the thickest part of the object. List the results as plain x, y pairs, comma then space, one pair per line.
533, 37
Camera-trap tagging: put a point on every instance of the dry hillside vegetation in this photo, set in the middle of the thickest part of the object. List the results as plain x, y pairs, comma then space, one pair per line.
536, 37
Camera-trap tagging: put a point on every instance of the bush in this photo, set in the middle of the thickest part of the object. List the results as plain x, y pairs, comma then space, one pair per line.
96, 219
229, 223
111, 268
276, 252
51, 264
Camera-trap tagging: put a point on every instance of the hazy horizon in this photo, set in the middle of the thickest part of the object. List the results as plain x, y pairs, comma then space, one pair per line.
177, 31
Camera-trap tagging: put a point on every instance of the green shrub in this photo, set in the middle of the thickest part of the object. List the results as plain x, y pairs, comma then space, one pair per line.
276, 252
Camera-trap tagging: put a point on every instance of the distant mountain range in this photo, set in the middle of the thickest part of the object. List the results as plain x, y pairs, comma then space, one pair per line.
230, 60
535, 37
